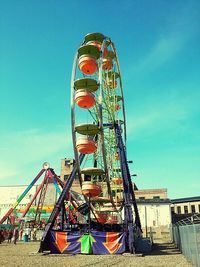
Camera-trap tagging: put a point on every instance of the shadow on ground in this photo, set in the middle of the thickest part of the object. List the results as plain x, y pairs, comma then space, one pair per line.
164, 249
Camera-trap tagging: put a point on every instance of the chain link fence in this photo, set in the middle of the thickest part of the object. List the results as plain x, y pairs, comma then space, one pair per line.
186, 235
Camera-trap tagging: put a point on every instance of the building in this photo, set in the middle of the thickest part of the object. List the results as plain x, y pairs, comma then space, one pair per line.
155, 212
151, 194
184, 207
67, 165
155, 217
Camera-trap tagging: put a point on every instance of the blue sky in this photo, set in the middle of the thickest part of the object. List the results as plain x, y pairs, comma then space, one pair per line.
158, 47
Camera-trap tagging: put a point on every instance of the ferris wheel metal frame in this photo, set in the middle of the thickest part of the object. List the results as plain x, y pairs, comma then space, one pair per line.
103, 113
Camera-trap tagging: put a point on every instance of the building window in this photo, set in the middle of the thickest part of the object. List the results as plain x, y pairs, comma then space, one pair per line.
172, 209
199, 208
193, 208
185, 209
156, 197
141, 198
178, 209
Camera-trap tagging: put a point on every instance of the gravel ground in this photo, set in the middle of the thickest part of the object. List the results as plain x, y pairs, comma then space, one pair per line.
24, 254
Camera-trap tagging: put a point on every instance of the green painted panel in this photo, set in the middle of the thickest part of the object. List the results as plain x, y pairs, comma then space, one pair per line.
90, 85
89, 50
95, 36
86, 243
87, 129
113, 74
115, 98
92, 171
110, 54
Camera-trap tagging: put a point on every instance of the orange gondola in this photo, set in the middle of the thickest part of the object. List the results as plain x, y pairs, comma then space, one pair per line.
87, 64
86, 145
107, 64
90, 189
85, 99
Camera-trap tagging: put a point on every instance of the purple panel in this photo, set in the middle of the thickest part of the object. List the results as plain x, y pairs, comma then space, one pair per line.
65, 243
108, 242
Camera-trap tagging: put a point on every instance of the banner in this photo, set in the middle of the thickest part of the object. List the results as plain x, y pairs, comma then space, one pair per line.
94, 242
108, 242
63, 242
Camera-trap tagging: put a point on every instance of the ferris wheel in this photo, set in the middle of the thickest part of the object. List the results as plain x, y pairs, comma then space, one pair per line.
97, 103
98, 122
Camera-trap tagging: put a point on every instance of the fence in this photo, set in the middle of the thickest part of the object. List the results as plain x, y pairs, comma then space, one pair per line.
186, 236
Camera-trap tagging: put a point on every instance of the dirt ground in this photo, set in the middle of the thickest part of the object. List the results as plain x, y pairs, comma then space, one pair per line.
24, 254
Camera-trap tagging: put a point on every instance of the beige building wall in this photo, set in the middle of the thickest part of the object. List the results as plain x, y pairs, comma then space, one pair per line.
151, 193
154, 214
155, 218
186, 207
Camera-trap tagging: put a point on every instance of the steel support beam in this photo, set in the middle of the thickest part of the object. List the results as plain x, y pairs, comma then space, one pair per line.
129, 196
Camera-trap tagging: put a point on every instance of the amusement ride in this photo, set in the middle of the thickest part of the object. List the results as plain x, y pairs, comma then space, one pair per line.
112, 223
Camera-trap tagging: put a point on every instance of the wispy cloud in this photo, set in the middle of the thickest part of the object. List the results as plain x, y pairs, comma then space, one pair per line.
23, 148
165, 112
181, 28
7, 170
164, 49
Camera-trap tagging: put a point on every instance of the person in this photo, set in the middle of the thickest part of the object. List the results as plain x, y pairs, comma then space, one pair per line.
16, 235
10, 235
29, 233
1, 236
34, 234
20, 234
